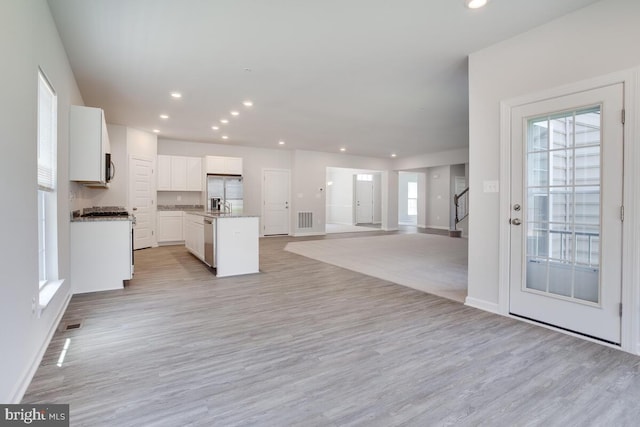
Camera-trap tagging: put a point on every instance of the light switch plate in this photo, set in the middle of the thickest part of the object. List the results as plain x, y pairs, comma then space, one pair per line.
491, 186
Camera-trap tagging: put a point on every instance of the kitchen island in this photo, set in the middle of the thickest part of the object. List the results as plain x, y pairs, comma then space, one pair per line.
227, 242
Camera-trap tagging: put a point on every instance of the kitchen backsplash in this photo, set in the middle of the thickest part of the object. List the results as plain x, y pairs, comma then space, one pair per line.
179, 198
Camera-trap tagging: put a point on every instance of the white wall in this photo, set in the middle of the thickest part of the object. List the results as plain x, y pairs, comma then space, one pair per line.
28, 39
308, 186
449, 157
438, 209
423, 197
377, 198
592, 42
143, 144
180, 198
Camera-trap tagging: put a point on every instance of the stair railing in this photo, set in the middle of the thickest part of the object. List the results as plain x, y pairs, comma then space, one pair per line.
461, 201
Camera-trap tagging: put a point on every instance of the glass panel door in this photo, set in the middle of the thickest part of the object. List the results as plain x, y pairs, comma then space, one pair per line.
563, 221
565, 229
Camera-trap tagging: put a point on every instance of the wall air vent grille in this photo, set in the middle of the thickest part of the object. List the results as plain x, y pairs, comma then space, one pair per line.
305, 220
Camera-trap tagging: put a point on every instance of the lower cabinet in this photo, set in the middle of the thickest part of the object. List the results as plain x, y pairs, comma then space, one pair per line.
194, 234
170, 227
101, 255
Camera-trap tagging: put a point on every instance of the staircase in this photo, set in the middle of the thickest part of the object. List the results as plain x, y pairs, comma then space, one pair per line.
461, 202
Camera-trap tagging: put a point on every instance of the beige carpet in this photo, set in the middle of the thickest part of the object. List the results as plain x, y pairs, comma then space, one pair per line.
346, 228
429, 263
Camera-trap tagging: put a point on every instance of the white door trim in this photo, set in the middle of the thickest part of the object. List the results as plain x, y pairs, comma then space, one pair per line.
630, 327
154, 194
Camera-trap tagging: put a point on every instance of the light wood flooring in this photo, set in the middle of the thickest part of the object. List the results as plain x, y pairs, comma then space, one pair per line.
310, 344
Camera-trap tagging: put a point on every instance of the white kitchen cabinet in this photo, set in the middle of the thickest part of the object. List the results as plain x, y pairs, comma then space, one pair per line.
101, 255
88, 146
164, 172
179, 173
194, 174
233, 165
170, 227
224, 165
215, 164
194, 234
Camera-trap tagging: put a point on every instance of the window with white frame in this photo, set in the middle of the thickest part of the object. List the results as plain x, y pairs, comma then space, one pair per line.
47, 203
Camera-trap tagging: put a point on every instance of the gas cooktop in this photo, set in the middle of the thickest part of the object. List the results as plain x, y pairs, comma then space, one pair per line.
105, 211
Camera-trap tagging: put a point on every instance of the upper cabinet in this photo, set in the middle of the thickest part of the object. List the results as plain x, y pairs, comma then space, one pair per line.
224, 165
89, 148
164, 173
194, 173
179, 173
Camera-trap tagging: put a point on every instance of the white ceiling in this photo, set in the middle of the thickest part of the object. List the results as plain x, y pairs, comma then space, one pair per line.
374, 76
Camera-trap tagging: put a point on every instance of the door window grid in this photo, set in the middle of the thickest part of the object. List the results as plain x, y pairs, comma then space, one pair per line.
563, 226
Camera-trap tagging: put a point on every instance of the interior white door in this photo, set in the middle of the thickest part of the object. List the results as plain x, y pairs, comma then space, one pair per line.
141, 201
566, 200
364, 201
275, 202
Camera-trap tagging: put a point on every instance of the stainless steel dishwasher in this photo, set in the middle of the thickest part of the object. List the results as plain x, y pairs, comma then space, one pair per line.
209, 242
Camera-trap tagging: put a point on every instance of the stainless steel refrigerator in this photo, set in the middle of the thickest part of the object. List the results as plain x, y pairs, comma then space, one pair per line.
227, 191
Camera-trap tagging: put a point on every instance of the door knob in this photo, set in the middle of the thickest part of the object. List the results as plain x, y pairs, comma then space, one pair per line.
516, 208
516, 221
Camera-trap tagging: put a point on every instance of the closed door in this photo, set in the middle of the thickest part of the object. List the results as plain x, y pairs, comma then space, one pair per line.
566, 202
141, 201
364, 200
275, 202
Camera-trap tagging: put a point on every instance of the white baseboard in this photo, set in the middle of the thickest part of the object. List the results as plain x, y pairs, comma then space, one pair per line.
481, 304
171, 243
310, 233
390, 229
35, 364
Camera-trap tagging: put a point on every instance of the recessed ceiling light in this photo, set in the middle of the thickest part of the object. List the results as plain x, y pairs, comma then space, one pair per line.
343, 149
248, 103
280, 142
215, 127
475, 4
393, 155
176, 95
225, 137
224, 121
156, 131
234, 113
164, 116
